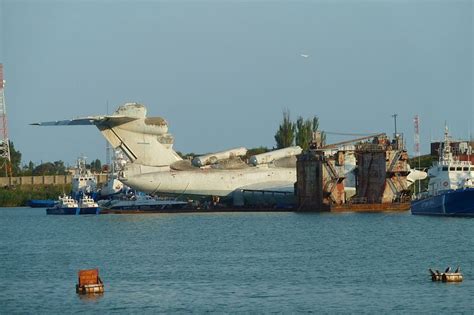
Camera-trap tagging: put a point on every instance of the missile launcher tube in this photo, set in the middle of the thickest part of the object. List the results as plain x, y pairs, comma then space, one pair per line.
217, 156
268, 157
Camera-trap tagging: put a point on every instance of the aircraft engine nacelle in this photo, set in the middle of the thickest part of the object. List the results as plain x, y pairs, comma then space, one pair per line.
151, 126
141, 124
214, 157
268, 157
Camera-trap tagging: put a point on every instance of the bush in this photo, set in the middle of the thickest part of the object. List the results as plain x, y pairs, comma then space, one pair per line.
18, 196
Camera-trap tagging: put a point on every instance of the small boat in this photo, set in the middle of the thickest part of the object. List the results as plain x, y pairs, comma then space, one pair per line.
64, 205
87, 205
450, 189
41, 203
142, 203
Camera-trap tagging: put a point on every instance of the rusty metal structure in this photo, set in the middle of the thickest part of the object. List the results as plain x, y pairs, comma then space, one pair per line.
382, 168
320, 181
381, 177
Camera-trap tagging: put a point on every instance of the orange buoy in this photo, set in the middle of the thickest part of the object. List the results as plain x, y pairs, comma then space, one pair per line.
89, 282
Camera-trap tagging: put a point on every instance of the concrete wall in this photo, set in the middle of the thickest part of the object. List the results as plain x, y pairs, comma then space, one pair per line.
44, 180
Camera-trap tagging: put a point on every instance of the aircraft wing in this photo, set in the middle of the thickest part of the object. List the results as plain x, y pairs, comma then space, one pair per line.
92, 120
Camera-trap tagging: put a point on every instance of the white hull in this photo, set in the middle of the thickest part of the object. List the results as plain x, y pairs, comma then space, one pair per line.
214, 182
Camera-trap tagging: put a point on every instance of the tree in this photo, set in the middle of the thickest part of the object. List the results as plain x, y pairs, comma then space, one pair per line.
96, 166
31, 167
304, 132
27, 170
285, 135
48, 168
315, 128
59, 168
255, 151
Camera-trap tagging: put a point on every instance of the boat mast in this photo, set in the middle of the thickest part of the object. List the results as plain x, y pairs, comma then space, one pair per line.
446, 153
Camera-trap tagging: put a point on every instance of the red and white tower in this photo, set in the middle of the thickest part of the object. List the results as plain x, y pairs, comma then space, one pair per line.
4, 143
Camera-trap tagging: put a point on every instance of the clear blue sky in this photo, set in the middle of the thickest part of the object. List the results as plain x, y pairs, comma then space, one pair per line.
222, 72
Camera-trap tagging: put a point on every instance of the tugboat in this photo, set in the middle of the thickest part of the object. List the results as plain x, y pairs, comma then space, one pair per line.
451, 186
65, 205
87, 205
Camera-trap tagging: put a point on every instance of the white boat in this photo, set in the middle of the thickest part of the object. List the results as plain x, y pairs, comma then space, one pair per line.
87, 202
83, 181
141, 203
451, 186
64, 205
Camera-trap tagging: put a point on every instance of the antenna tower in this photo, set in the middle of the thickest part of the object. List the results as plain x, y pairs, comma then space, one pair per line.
4, 143
107, 151
416, 122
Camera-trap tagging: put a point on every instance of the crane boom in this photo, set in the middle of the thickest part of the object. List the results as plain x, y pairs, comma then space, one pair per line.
333, 145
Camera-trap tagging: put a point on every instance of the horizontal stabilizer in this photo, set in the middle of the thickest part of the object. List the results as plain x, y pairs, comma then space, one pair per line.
93, 120
144, 140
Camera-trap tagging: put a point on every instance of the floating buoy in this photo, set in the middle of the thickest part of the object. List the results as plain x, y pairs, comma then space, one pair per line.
89, 282
452, 277
435, 275
446, 276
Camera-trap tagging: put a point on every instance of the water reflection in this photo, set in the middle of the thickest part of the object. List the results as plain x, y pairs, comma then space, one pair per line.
91, 297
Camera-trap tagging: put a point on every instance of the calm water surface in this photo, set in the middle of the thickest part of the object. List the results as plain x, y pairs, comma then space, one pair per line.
237, 262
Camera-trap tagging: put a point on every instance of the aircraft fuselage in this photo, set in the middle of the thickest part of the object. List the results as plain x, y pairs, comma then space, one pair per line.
213, 182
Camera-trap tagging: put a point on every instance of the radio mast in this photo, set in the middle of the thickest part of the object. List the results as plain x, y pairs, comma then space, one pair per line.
416, 122
4, 143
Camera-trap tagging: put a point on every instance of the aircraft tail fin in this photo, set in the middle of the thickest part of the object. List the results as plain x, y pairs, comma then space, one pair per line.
144, 140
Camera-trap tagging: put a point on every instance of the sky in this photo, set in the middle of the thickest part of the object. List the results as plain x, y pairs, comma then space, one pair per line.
222, 72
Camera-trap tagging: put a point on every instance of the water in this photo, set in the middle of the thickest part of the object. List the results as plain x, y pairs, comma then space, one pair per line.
234, 262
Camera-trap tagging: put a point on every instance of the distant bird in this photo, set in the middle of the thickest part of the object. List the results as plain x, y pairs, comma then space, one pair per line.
432, 272
458, 269
437, 272
304, 56
447, 270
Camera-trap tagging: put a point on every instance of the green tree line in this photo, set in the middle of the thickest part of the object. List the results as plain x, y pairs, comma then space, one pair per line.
44, 168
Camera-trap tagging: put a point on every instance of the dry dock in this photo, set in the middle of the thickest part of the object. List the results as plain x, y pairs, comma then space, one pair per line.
380, 181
